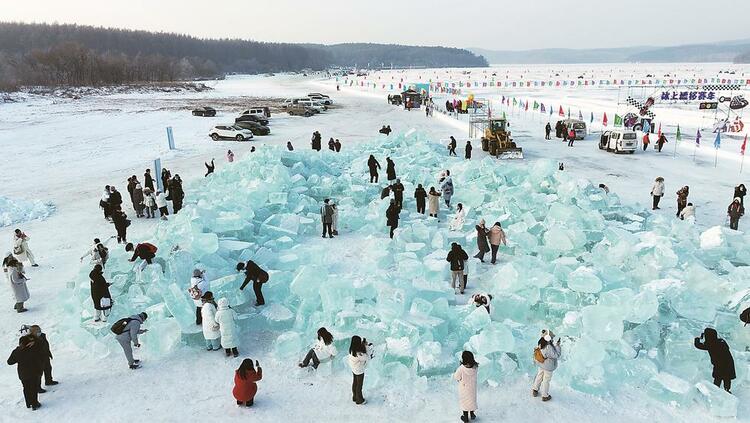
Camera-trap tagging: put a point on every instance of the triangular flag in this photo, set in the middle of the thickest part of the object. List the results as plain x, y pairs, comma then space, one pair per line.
514, 101
744, 144
717, 141
527, 105
658, 134
562, 112
551, 110
542, 110
646, 126
592, 118
604, 119
536, 105
503, 100
503, 115
580, 115
698, 138
568, 112
678, 136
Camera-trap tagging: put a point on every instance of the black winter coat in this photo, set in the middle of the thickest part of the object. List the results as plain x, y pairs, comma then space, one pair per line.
42, 348
115, 199
99, 289
398, 191
457, 258
148, 181
120, 221
254, 273
720, 355
392, 215
373, 165
29, 365
390, 170
740, 192
421, 195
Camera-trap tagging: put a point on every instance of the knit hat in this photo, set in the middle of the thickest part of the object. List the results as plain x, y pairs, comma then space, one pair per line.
143, 315
197, 273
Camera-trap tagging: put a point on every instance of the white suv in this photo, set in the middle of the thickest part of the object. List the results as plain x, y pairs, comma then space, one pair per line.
321, 98
230, 132
306, 102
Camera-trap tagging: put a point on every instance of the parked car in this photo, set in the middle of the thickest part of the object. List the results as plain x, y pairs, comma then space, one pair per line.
619, 141
297, 110
321, 98
251, 118
262, 111
306, 102
255, 127
230, 132
578, 125
205, 112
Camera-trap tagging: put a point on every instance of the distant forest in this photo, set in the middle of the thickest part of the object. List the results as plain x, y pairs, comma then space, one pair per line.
50, 55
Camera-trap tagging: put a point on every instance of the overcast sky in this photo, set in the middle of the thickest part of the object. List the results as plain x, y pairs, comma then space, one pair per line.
493, 24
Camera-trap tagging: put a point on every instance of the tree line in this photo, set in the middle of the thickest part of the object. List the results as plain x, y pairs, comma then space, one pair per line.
52, 54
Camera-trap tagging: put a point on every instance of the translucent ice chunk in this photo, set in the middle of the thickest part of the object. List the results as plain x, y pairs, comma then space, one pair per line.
669, 388
495, 337
584, 279
719, 402
602, 323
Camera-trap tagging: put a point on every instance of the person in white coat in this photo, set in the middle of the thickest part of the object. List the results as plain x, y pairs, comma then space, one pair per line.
18, 284
198, 285
210, 328
225, 318
21, 248
466, 376
545, 357
8, 259
688, 213
358, 356
149, 203
322, 351
459, 218
161, 204
481, 299
657, 192
98, 254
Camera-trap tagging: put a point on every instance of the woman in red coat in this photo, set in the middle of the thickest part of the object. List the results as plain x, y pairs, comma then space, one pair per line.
244, 382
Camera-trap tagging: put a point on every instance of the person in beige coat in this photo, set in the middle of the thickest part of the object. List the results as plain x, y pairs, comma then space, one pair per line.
433, 202
496, 236
21, 248
466, 376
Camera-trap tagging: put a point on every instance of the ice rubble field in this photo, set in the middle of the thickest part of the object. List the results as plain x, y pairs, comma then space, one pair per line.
627, 290
13, 211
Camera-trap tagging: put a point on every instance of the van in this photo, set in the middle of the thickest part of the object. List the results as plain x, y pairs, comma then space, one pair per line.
258, 111
619, 141
578, 125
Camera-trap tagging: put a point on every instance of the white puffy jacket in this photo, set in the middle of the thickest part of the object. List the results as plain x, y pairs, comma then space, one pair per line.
358, 363
161, 200
202, 284
210, 327
658, 189
324, 352
225, 318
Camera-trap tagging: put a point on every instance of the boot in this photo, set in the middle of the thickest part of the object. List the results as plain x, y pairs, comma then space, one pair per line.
534, 393
547, 398
472, 415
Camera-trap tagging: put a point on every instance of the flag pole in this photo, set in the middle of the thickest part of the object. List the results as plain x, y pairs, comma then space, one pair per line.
716, 157
742, 163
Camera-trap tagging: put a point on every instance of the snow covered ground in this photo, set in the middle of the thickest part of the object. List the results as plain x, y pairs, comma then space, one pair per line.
65, 151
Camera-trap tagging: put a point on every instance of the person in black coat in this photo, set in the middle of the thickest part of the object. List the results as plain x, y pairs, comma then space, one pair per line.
166, 175
289, 146
29, 369
421, 196
721, 357
209, 169
739, 192
468, 149
115, 199
392, 217
547, 131
398, 193
390, 169
120, 220
452, 147
148, 181
45, 356
176, 193
99, 291
457, 258
373, 165
316, 141
331, 144
254, 273
337, 144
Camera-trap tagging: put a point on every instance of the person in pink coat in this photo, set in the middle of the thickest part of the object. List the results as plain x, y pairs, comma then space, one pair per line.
466, 376
230, 156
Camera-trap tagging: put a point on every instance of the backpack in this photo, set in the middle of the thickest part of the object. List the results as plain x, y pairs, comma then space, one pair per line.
745, 316
119, 326
538, 356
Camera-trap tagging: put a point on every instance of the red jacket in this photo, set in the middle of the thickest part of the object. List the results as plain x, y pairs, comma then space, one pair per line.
245, 389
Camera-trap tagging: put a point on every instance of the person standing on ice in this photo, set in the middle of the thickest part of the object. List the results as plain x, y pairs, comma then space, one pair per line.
482, 240
161, 203
457, 258
660, 142
126, 332
452, 147
8, 260
18, 283
358, 357
132, 181
245, 378
446, 187
144, 251
421, 196
326, 217
481, 300
373, 165
149, 203
316, 141
45, 355
209, 167
688, 213
115, 199
138, 200
392, 216
254, 273
398, 193
121, 222
740, 192
104, 203
289, 146
564, 132
390, 170
466, 376
148, 181
735, 211
496, 236
208, 322
337, 145
100, 295
176, 193
29, 369
331, 144
458, 219
571, 137
230, 156
721, 357
335, 223
545, 357
225, 318
322, 351
657, 192
646, 141
547, 131
467, 150
198, 285
166, 175
682, 198
21, 248
434, 202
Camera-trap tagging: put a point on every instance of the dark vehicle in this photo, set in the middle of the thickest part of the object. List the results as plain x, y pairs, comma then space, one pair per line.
205, 112
255, 127
396, 100
251, 118
299, 111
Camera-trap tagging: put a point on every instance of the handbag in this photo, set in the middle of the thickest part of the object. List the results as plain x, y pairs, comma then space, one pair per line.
195, 292
105, 302
17, 250
538, 356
